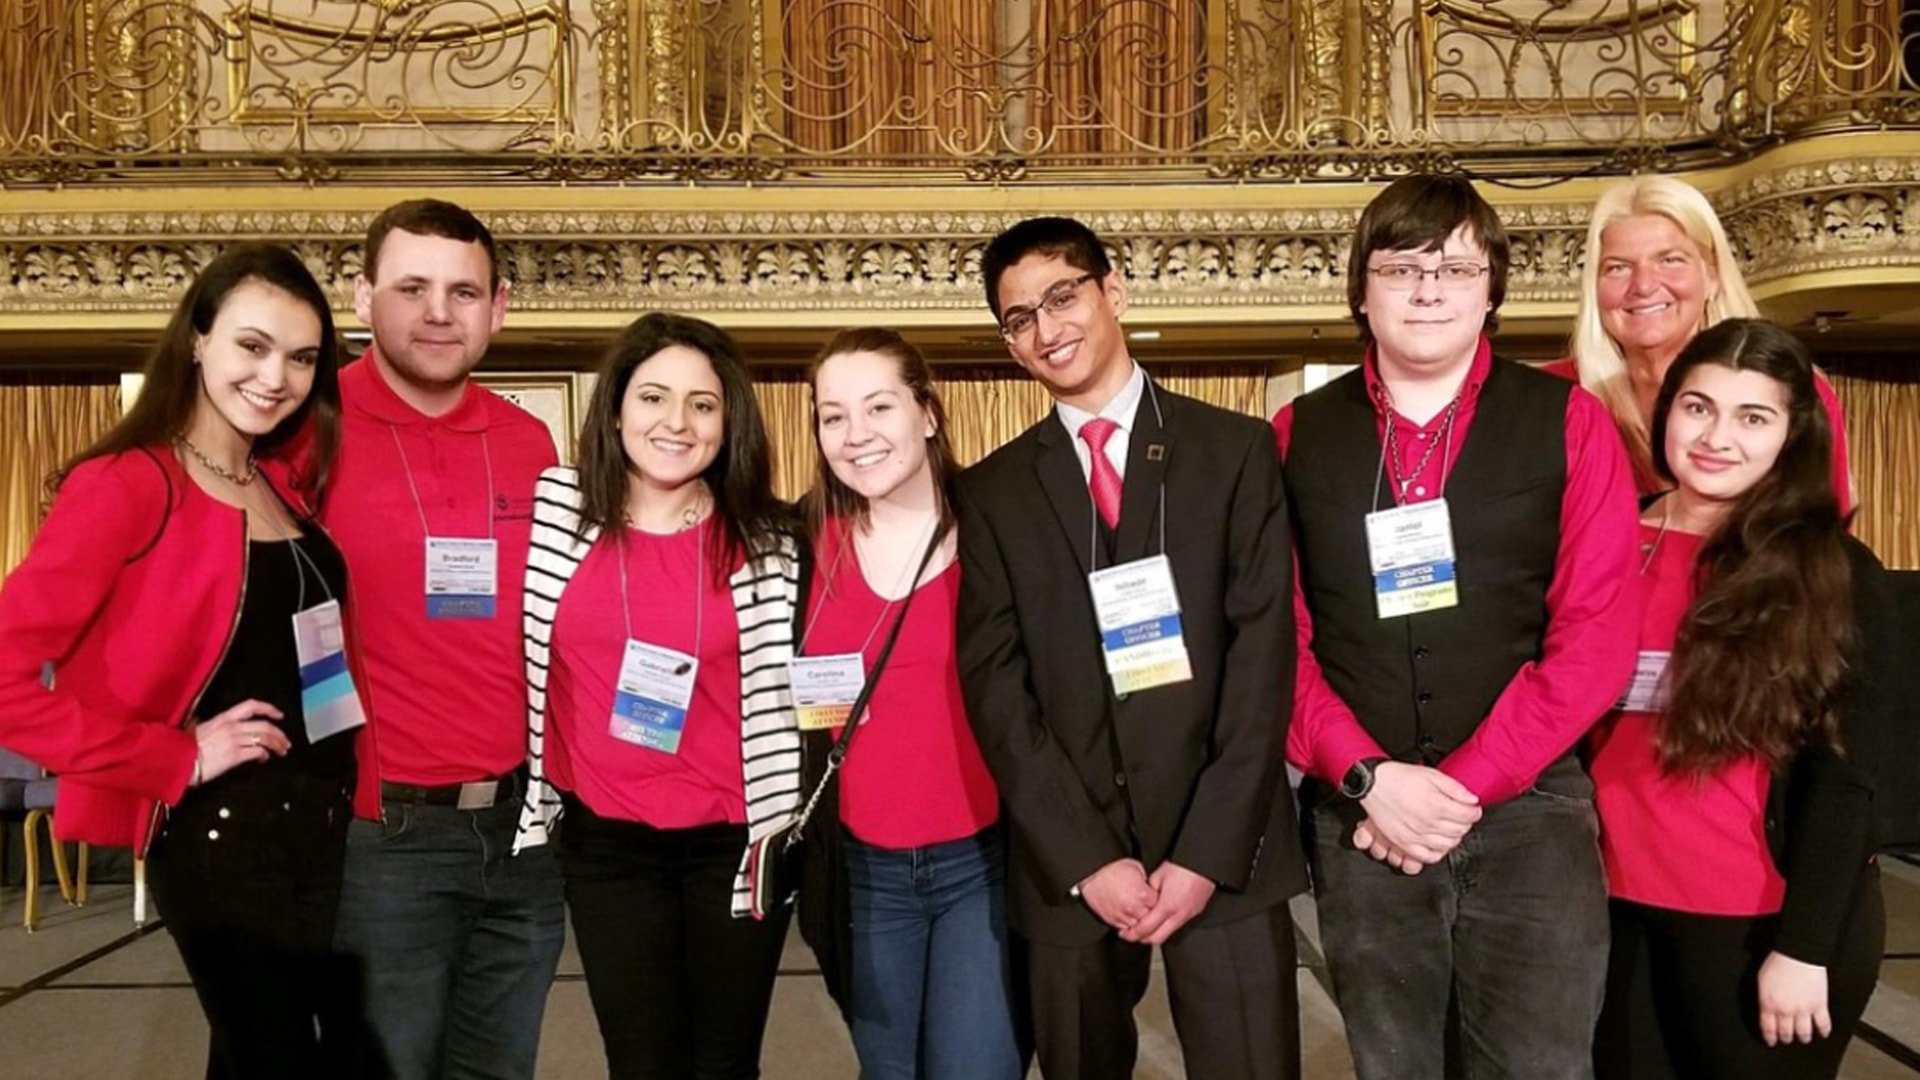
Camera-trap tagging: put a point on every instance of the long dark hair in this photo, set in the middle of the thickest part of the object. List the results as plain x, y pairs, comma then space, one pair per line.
741, 475
1760, 656
830, 498
172, 384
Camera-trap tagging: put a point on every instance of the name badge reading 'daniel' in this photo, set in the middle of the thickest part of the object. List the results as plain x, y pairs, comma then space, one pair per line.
1138, 610
1411, 552
650, 701
462, 577
825, 688
328, 701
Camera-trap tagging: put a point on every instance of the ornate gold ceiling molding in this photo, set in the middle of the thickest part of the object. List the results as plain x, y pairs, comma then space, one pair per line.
1195, 254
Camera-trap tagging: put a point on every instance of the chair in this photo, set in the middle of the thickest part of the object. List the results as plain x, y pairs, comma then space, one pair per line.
26, 791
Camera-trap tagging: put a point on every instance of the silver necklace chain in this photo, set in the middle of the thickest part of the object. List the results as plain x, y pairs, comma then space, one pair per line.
219, 470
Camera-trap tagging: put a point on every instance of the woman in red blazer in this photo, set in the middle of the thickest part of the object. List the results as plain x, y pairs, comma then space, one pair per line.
172, 646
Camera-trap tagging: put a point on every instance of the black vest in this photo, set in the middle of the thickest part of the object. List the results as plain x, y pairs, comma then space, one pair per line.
1420, 684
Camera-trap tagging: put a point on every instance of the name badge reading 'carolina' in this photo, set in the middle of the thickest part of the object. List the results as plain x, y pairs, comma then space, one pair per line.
1138, 610
1411, 551
825, 688
651, 700
462, 577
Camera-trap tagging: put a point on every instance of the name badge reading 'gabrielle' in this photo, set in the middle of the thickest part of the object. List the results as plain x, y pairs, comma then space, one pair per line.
651, 700
462, 577
1138, 610
1411, 551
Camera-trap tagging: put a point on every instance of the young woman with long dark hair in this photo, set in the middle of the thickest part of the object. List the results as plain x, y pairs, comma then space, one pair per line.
1735, 781
927, 986
661, 593
173, 647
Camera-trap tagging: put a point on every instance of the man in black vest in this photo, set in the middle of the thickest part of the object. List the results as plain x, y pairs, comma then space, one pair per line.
1464, 529
1126, 648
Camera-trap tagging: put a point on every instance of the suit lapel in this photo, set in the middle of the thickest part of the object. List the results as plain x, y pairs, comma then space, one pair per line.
1149, 448
1057, 468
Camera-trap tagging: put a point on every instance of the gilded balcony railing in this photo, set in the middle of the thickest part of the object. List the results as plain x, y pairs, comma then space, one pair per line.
986, 90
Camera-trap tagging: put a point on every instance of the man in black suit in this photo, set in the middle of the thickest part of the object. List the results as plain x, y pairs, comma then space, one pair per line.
1126, 647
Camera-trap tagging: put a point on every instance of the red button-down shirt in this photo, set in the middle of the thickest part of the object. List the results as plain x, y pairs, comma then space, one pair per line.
1587, 653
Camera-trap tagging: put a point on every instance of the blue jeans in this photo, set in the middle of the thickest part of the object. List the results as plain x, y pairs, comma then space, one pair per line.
932, 989
1510, 928
453, 941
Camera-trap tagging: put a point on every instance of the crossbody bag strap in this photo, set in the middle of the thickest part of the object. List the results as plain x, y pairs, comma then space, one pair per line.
839, 752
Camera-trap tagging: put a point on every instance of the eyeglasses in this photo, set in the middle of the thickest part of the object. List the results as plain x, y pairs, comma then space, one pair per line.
1056, 301
1406, 277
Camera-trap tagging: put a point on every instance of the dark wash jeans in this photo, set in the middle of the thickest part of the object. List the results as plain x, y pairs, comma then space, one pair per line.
1511, 930
932, 985
452, 941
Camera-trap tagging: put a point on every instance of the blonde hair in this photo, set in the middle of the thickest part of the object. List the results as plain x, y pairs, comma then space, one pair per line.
1597, 357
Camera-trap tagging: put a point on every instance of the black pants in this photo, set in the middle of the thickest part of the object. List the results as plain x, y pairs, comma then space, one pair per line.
1683, 1001
680, 987
246, 872
1232, 990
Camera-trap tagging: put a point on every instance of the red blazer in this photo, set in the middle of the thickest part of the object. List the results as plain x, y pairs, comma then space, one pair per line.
131, 590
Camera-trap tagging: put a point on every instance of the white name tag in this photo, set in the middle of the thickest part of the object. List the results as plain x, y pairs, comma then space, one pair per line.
651, 700
328, 701
462, 577
825, 688
1646, 691
1138, 609
1411, 552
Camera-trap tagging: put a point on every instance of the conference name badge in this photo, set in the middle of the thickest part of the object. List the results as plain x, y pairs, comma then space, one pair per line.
328, 701
1411, 551
462, 575
651, 699
1647, 690
1138, 610
825, 688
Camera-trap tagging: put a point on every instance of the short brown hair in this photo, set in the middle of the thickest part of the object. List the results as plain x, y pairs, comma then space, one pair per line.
1418, 213
430, 217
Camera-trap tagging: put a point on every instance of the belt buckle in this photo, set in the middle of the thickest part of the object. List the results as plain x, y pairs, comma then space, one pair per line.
477, 795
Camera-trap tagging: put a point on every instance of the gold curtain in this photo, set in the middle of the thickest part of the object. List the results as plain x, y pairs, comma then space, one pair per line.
41, 426
887, 77
29, 33
987, 405
1881, 398
1122, 75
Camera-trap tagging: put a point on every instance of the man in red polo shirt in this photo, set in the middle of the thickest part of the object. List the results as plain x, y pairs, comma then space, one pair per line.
453, 939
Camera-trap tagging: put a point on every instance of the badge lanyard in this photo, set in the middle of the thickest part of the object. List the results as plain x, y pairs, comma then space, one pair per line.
654, 689
329, 704
462, 573
1645, 690
825, 688
1410, 546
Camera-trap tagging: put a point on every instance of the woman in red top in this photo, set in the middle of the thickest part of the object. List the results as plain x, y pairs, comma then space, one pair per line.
927, 987
1733, 781
661, 593
1659, 270
187, 613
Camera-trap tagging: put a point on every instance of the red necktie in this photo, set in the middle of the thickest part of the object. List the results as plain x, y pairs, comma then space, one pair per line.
1102, 478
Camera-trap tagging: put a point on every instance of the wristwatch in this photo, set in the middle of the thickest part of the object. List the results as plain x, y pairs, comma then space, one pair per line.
1358, 782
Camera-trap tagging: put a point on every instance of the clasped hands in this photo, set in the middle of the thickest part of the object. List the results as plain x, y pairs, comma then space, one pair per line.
1415, 815
1146, 909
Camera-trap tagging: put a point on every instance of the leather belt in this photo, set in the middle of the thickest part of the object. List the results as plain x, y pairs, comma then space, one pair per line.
472, 795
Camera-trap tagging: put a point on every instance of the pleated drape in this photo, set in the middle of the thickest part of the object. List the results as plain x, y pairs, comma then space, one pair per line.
41, 426
1881, 398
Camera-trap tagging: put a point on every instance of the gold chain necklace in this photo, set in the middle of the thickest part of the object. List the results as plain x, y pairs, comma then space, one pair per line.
221, 471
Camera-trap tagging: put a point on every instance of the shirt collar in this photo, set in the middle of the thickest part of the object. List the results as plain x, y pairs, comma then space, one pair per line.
1121, 409
1477, 373
362, 383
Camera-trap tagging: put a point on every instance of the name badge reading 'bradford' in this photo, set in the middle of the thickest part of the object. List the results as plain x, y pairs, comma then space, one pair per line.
1411, 551
651, 700
461, 577
1138, 610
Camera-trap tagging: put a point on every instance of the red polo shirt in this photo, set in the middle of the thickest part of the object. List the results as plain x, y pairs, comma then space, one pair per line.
1587, 652
449, 695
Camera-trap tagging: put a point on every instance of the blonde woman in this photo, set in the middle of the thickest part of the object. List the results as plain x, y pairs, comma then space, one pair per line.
1659, 270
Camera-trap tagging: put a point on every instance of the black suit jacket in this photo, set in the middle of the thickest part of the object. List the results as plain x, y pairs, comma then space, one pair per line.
1193, 772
